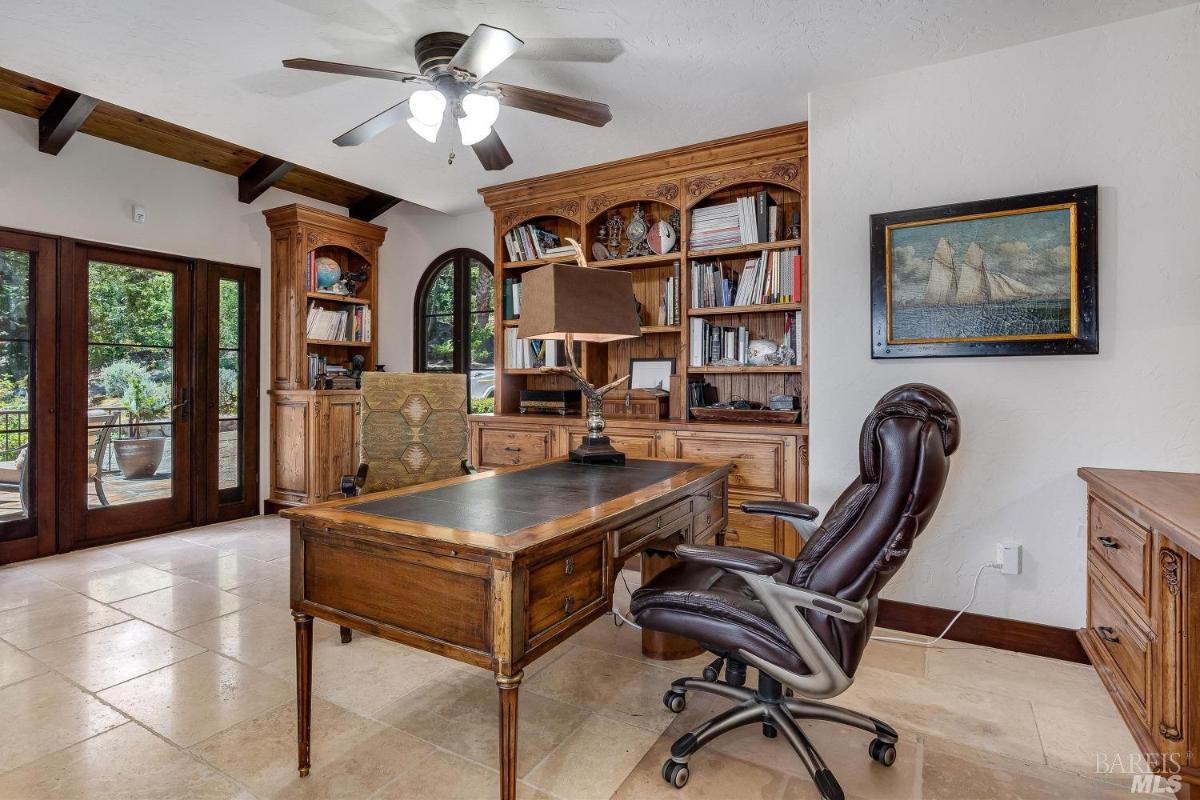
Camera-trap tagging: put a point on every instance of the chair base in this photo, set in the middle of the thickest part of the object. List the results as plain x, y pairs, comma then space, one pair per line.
778, 714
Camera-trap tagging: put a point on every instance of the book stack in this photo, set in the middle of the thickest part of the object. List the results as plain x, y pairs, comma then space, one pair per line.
311, 284
773, 277
316, 370
725, 344
529, 353
339, 378
527, 242
668, 310
512, 298
747, 220
349, 325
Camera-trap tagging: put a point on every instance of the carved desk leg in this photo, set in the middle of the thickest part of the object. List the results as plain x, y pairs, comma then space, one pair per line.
304, 630
507, 684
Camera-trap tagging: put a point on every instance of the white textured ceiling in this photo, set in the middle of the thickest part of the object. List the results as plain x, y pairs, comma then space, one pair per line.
673, 72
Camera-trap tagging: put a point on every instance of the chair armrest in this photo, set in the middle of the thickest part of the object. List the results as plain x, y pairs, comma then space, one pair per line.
351, 484
468, 468
739, 559
780, 508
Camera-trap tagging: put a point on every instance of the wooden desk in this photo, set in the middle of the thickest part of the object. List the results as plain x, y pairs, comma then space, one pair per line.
494, 569
1143, 634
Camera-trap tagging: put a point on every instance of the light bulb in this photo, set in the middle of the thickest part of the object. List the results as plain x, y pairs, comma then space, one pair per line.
481, 109
471, 131
427, 132
427, 106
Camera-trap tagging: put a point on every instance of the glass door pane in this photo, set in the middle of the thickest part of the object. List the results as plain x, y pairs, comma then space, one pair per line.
16, 385
481, 338
229, 387
131, 386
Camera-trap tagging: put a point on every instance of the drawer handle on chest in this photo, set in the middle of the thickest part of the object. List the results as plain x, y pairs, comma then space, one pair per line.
658, 523
708, 518
569, 566
1109, 542
512, 449
1106, 633
567, 603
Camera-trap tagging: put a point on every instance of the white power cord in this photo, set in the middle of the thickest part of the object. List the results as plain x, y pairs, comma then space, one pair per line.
932, 642
620, 619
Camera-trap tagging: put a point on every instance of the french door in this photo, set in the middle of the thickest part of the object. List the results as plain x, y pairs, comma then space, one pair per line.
28, 271
126, 394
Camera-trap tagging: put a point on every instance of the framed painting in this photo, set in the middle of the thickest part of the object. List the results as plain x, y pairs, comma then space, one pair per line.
1014, 276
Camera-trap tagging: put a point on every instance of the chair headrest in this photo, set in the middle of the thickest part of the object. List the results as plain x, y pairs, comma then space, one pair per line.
912, 400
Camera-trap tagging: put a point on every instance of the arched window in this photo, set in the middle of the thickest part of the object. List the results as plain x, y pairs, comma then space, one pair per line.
453, 318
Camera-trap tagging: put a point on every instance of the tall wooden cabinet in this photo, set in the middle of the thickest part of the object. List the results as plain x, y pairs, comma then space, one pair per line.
314, 431
586, 204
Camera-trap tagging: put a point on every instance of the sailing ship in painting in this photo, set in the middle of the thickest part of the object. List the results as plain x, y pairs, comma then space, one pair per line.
970, 281
972, 296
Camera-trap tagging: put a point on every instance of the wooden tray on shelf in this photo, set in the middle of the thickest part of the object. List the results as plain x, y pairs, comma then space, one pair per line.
707, 414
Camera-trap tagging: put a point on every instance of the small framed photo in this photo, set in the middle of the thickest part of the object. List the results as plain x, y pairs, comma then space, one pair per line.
651, 373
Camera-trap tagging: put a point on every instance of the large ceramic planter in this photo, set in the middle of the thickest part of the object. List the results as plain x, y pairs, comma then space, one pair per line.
139, 458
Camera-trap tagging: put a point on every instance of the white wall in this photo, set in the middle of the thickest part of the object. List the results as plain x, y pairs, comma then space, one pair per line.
1117, 106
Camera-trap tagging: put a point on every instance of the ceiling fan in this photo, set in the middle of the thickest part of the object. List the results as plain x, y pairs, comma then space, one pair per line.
452, 67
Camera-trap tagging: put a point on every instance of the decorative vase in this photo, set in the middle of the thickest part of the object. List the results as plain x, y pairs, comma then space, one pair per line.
139, 458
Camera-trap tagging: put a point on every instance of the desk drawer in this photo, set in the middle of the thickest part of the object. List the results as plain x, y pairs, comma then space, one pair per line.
1125, 642
758, 463
709, 512
632, 444
506, 447
564, 586
749, 530
667, 521
1120, 543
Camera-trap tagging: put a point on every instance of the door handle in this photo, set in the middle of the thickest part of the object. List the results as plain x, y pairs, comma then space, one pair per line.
1109, 542
1107, 634
184, 405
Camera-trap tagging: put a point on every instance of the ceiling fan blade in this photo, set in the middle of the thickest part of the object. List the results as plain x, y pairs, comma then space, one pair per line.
486, 49
373, 127
334, 68
588, 112
492, 152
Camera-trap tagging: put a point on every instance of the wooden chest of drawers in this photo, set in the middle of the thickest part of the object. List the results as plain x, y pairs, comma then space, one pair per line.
1143, 633
768, 462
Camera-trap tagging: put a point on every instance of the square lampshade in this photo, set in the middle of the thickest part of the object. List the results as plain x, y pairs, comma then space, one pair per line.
592, 305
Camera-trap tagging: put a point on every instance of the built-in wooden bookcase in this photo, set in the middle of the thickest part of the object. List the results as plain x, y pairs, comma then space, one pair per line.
314, 431
581, 203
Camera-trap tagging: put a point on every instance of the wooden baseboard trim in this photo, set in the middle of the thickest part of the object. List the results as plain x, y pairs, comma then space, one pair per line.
1006, 634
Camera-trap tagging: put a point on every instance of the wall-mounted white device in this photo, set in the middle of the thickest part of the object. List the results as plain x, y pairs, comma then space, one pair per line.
1008, 556
139, 214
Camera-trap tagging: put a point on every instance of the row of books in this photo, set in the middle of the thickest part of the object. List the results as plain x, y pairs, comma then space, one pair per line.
512, 298
773, 277
747, 220
530, 353
712, 344
668, 307
527, 242
317, 365
351, 324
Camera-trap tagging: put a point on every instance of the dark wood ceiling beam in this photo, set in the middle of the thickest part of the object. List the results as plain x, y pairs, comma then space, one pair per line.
372, 206
62, 118
260, 176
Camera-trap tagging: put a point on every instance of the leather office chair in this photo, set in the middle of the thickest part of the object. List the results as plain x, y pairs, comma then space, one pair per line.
805, 623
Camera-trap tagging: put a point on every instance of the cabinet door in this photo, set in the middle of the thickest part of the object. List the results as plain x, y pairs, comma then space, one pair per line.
339, 451
633, 443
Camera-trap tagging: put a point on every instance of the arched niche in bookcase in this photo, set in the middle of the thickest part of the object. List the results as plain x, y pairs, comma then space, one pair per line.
516, 226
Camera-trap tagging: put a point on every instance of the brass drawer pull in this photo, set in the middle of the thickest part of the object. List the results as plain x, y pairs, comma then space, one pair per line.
512, 449
658, 523
708, 518
567, 603
1106, 633
569, 566
1109, 542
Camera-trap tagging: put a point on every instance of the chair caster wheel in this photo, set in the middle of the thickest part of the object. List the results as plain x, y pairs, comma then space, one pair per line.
674, 701
882, 752
769, 730
675, 773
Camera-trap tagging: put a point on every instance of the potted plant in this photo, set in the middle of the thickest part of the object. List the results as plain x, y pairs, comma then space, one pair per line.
146, 401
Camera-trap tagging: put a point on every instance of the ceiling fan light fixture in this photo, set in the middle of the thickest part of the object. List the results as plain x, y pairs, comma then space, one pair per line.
481, 109
471, 131
428, 106
427, 132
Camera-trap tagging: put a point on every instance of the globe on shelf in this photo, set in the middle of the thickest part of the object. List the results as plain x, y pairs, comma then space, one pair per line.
328, 272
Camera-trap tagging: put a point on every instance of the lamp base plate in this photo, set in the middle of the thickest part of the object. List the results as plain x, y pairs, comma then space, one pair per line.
597, 451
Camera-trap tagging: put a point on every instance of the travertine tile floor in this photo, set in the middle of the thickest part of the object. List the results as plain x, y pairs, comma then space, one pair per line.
163, 668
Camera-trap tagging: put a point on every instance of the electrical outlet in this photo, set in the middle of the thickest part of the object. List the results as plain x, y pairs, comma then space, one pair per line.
1008, 556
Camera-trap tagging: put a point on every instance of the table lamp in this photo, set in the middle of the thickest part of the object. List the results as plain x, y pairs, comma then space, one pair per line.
581, 303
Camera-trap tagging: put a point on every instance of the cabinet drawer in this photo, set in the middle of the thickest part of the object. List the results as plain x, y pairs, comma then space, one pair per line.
1123, 639
708, 535
505, 447
750, 530
708, 513
634, 445
758, 463
564, 586
1120, 543
663, 523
